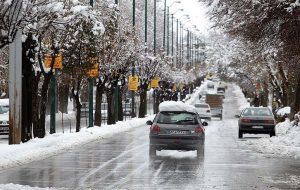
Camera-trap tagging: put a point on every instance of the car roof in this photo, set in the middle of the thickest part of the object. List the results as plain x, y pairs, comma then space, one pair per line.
257, 108
4, 102
201, 103
172, 106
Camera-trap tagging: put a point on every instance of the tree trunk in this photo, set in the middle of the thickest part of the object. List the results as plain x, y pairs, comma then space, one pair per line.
284, 86
44, 93
26, 90
120, 105
296, 106
63, 94
78, 104
35, 104
99, 95
110, 107
143, 102
78, 113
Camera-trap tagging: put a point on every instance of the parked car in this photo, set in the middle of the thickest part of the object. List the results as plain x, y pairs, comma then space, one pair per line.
176, 128
221, 92
256, 120
210, 85
203, 109
4, 116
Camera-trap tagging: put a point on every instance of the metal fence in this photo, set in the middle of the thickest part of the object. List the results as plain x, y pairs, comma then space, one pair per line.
67, 122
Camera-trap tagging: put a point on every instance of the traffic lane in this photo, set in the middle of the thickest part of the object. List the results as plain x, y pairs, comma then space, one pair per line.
106, 164
3, 139
122, 162
80, 166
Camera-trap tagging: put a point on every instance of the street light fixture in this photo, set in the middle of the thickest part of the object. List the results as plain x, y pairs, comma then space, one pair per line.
166, 9
172, 16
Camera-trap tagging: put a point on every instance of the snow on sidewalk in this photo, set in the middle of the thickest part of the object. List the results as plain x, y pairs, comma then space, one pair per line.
36, 149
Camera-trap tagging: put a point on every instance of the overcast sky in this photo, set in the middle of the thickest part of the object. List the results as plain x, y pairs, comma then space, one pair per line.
196, 11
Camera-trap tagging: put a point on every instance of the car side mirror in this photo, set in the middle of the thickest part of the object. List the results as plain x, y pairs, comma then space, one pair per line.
204, 123
237, 116
149, 122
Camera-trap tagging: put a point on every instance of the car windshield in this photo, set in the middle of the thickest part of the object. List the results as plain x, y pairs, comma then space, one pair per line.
257, 112
177, 118
201, 106
4, 109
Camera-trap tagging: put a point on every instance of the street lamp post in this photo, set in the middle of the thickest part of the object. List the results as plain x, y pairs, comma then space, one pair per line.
154, 28
172, 17
168, 25
188, 46
133, 69
177, 42
146, 20
172, 33
90, 90
164, 37
181, 43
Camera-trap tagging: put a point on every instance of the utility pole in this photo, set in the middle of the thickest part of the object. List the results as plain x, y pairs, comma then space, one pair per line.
52, 97
154, 27
15, 80
165, 12
168, 32
90, 90
146, 20
172, 33
133, 69
177, 43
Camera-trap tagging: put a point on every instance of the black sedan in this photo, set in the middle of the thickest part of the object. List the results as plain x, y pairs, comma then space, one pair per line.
256, 120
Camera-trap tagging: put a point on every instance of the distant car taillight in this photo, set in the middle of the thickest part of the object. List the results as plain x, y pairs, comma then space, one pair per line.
246, 120
155, 128
270, 121
199, 129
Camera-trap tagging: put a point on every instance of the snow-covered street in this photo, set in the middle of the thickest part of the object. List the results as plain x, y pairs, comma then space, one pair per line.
116, 157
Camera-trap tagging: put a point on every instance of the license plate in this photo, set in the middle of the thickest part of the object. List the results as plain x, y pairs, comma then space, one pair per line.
257, 127
178, 132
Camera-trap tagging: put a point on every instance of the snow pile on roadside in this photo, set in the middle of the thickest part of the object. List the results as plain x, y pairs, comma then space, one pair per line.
285, 144
23, 187
36, 149
242, 101
284, 111
176, 106
195, 96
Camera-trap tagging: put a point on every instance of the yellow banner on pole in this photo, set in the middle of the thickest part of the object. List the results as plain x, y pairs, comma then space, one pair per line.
154, 82
133, 83
57, 61
93, 72
174, 88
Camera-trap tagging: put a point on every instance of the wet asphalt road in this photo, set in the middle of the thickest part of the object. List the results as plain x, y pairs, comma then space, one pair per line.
122, 162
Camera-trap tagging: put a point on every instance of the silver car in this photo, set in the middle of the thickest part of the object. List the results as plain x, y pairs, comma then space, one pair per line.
4, 119
176, 130
256, 120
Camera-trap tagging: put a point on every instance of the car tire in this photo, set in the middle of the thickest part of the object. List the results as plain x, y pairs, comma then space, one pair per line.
152, 152
272, 134
240, 134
